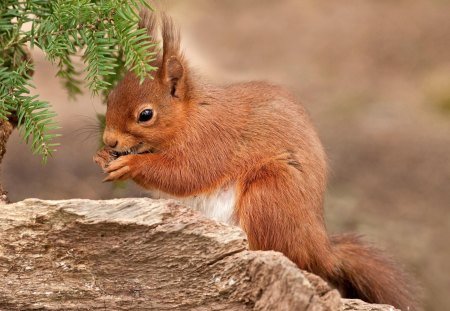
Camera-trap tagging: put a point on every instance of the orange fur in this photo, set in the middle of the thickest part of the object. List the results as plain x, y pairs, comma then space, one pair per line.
252, 135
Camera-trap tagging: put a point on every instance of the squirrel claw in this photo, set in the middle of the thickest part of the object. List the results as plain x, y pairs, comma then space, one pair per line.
117, 172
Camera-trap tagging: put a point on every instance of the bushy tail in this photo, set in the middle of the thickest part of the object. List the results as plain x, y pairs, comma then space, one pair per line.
368, 275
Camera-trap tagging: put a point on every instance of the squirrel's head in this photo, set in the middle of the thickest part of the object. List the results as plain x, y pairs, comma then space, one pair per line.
145, 117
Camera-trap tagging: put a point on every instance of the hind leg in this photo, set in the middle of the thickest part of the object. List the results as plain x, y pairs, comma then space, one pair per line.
277, 211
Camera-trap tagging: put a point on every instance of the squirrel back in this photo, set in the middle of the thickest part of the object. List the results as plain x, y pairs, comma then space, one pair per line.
252, 141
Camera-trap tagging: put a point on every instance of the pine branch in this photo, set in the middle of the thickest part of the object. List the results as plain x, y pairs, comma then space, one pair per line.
35, 118
103, 32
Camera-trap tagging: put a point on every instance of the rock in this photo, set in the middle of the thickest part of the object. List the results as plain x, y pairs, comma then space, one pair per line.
143, 254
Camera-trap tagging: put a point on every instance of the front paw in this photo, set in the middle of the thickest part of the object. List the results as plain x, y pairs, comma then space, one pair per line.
103, 157
120, 169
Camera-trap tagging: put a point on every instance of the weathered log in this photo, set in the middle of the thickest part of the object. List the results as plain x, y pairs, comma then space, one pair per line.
143, 254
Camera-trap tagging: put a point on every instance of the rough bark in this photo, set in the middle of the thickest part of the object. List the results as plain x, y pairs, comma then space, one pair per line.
142, 254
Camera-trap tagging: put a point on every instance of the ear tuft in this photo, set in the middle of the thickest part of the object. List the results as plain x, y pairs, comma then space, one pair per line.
147, 20
170, 37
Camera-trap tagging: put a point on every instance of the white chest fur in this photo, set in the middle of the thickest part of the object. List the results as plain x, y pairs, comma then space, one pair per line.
218, 205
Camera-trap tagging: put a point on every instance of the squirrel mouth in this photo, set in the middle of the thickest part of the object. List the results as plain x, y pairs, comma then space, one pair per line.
132, 150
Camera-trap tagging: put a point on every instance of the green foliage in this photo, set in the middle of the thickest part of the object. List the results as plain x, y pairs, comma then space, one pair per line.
103, 32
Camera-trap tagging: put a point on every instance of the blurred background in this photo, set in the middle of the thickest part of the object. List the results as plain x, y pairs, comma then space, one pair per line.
375, 77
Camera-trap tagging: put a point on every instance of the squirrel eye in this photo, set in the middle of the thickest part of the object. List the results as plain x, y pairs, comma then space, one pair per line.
146, 115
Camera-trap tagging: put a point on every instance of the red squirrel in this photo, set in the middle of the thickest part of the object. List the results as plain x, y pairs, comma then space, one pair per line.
246, 154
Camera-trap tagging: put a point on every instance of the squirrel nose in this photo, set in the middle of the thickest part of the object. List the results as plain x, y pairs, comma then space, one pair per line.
109, 140
113, 144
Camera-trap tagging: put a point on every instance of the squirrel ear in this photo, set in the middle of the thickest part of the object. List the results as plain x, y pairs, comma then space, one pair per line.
173, 70
175, 77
